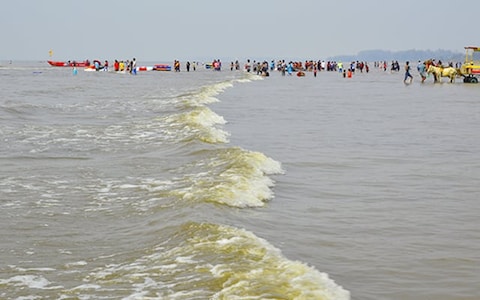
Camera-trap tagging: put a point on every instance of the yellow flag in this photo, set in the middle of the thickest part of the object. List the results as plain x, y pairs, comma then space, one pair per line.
50, 52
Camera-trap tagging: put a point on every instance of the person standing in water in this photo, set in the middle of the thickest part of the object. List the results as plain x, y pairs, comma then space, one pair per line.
407, 73
133, 66
75, 72
421, 68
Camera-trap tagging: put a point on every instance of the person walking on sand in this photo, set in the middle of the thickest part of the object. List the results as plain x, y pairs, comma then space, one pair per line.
407, 73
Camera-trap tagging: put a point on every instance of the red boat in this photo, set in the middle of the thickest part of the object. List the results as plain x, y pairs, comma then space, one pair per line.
69, 63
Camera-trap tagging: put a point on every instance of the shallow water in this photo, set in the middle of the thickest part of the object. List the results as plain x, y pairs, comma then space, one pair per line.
211, 185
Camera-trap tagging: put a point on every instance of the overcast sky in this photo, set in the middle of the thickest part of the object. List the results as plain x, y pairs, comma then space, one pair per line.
164, 30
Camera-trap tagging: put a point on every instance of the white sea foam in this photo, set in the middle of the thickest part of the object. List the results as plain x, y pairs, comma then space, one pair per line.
30, 281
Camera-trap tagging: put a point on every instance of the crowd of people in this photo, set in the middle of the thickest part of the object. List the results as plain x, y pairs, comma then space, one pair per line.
129, 66
264, 67
118, 65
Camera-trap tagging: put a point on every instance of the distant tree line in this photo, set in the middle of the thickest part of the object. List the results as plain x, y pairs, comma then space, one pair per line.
411, 55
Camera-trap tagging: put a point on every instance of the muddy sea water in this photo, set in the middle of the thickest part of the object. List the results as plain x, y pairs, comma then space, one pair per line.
227, 185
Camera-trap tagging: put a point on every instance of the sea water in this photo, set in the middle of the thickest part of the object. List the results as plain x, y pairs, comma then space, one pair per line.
228, 185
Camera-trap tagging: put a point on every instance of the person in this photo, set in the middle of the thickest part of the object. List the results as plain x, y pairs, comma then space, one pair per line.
421, 68
75, 72
290, 68
217, 65
133, 69
407, 73
248, 66
176, 65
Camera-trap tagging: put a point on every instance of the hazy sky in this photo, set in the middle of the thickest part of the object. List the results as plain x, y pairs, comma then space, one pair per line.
164, 30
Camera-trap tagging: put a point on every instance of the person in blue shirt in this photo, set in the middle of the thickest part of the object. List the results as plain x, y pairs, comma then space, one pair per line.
290, 68
421, 68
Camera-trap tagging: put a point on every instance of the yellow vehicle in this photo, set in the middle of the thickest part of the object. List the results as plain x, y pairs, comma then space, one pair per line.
471, 68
